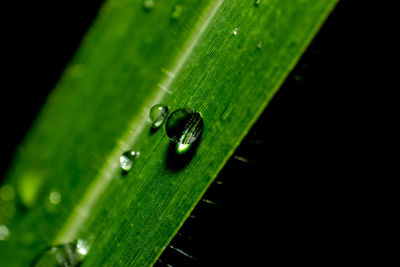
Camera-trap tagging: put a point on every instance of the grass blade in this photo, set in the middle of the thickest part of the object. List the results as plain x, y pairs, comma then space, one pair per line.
222, 58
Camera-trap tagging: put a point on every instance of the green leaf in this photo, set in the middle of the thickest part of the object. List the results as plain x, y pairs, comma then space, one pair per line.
224, 59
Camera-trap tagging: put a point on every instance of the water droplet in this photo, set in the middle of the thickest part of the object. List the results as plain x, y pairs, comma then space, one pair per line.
176, 12
148, 5
259, 45
4, 232
235, 31
127, 158
184, 126
158, 113
55, 197
82, 247
7, 192
257, 2
66, 255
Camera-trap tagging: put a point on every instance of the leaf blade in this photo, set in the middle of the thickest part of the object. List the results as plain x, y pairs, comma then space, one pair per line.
206, 74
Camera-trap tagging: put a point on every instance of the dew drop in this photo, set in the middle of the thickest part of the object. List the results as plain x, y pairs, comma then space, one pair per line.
235, 31
148, 5
176, 12
257, 2
4, 232
55, 197
259, 45
127, 158
158, 113
66, 255
83, 247
184, 126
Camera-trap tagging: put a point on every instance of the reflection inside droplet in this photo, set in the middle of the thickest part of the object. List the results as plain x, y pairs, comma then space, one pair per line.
184, 126
182, 148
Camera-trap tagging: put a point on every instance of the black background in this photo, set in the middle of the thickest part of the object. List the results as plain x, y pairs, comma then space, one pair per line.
289, 203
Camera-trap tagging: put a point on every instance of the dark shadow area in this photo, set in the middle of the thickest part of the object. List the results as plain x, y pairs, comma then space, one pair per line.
124, 173
38, 40
154, 130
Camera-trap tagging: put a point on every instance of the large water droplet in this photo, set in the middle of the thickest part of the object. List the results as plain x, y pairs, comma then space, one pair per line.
184, 126
158, 113
176, 12
148, 5
127, 158
66, 255
257, 2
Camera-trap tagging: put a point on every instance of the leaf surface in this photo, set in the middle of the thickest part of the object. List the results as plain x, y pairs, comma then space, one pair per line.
225, 59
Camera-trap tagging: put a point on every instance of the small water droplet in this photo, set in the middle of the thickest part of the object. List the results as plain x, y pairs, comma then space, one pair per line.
176, 12
259, 45
235, 31
66, 255
83, 247
55, 197
158, 113
4, 232
184, 126
257, 2
127, 158
148, 5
